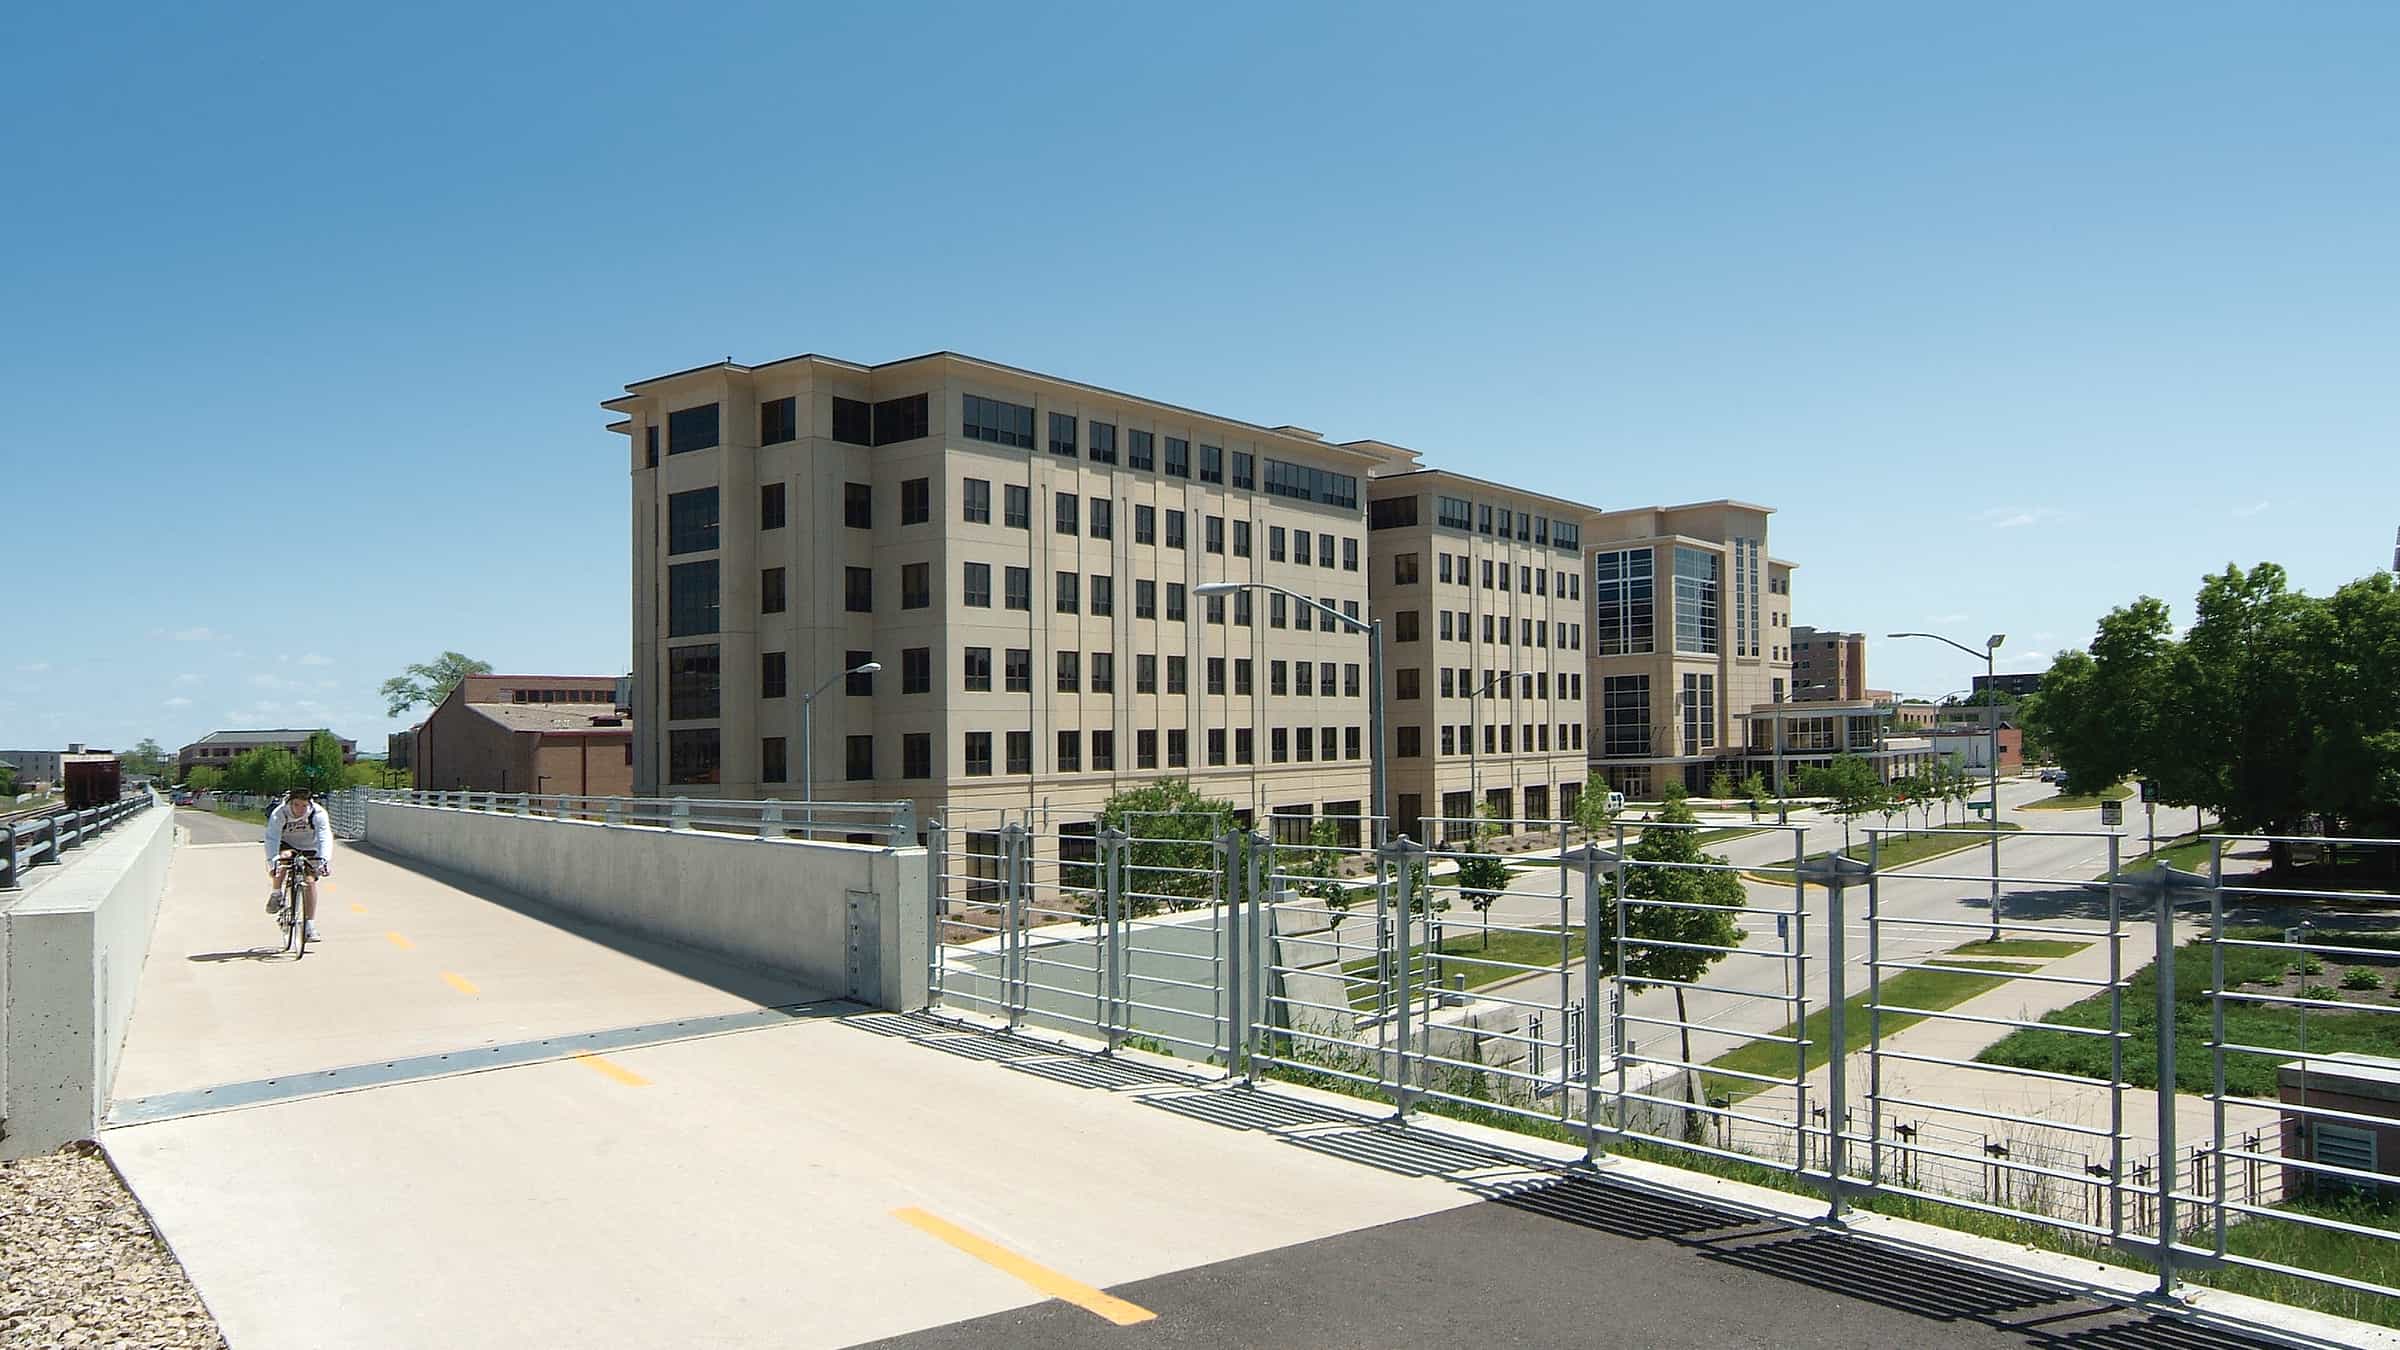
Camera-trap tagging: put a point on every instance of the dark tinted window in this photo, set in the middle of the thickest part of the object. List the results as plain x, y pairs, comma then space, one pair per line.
858, 758
1104, 442
1212, 464
691, 429
916, 670
916, 501
858, 506
857, 686
692, 756
988, 419
1062, 433
858, 590
770, 590
691, 521
692, 682
1138, 452
901, 419
772, 677
770, 759
1179, 457
770, 507
778, 421
853, 422
691, 598
650, 446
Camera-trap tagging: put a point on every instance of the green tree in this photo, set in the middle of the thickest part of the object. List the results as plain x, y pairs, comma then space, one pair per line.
266, 770
8, 779
1755, 788
1314, 872
2351, 648
147, 758
1675, 878
205, 778
430, 683
1482, 876
2228, 729
1591, 805
1720, 785
1850, 786
1172, 856
321, 767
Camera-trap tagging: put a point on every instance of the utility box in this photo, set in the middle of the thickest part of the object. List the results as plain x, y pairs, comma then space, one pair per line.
2359, 1086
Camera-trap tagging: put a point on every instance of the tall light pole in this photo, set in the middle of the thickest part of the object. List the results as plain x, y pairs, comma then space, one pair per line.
1377, 809
808, 739
1474, 732
1991, 649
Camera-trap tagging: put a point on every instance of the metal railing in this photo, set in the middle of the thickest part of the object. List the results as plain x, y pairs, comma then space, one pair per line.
892, 824
1852, 1026
44, 841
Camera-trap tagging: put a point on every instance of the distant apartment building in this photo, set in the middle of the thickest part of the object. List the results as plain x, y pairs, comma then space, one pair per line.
1827, 665
218, 749
1021, 554
526, 733
1690, 627
1784, 740
1972, 746
1480, 589
42, 767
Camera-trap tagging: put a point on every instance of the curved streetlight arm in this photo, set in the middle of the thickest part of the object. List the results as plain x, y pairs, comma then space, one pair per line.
1229, 587
1378, 774
1985, 653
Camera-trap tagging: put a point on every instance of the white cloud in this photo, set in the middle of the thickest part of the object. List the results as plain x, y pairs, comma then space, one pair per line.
2012, 518
313, 659
1947, 618
187, 679
328, 684
2245, 512
179, 701
33, 667
202, 633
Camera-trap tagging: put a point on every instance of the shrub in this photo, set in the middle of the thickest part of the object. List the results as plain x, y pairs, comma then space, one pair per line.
2307, 965
2321, 991
2359, 977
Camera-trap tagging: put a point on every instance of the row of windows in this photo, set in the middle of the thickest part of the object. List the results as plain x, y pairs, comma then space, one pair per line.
1457, 569
1457, 626
1408, 742
1457, 513
694, 684
1460, 682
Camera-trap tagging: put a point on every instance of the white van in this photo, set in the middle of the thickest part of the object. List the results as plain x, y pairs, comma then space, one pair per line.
1616, 802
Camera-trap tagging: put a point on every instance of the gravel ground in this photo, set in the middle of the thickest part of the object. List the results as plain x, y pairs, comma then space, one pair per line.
79, 1265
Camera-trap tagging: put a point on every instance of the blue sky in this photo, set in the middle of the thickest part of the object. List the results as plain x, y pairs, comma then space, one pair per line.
2013, 312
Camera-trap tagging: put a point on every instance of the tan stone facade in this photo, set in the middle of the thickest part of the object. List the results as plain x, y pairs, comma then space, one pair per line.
1480, 589
1020, 553
1690, 627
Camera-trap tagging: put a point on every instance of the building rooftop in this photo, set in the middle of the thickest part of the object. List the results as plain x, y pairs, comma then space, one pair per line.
552, 717
274, 734
1449, 475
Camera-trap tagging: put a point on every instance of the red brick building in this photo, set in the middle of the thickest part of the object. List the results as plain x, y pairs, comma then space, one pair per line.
527, 733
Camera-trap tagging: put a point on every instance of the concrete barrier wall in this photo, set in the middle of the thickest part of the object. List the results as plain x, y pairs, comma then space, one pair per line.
71, 953
791, 906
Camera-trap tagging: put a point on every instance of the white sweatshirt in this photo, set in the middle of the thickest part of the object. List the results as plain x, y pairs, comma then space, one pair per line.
314, 830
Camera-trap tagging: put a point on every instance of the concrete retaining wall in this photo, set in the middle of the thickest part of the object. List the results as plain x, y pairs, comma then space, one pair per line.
791, 906
71, 954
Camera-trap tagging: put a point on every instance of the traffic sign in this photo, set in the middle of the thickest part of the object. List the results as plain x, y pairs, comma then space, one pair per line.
2149, 791
1783, 927
2112, 812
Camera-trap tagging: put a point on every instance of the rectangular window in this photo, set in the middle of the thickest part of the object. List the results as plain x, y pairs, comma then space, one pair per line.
690, 429
693, 756
1245, 746
1019, 507
1070, 752
1243, 475
1302, 483
1405, 684
1408, 742
1103, 518
857, 686
1622, 601
1104, 752
1178, 679
976, 588
1242, 668
858, 590
1020, 752
1445, 624
1696, 576
858, 506
1062, 434
1300, 547
1349, 554
691, 598
1216, 609
770, 590
853, 422
1145, 525
1392, 513
770, 506
692, 684
977, 665
1699, 713
988, 419
1175, 602
1145, 749
1104, 596
770, 758
1020, 670
1624, 715
1453, 513
916, 501
916, 670
1104, 442
1138, 454
1404, 626
1179, 748
1066, 513
1404, 569
1104, 672
1145, 599
916, 755
1212, 534
1303, 618
1212, 464
1241, 608
1145, 674
691, 521
1069, 666
858, 758
1278, 745
650, 447
979, 754
908, 418
1216, 747
1019, 581
1304, 678
1179, 458
1241, 539
1070, 593
1304, 745
916, 585
1350, 680
1174, 529
1278, 678
778, 421
1274, 543
771, 676
1216, 675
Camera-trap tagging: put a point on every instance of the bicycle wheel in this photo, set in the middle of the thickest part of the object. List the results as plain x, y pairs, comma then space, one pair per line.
295, 896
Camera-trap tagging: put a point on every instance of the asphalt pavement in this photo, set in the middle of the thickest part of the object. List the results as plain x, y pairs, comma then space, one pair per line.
207, 827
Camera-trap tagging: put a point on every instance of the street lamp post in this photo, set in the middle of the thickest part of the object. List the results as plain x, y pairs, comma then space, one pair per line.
808, 739
1991, 649
1373, 628
1474, 734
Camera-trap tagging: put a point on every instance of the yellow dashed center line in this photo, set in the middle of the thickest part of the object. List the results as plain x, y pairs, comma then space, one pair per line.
398, 941
1039, 1276
461, 983
611, 1069
357, 908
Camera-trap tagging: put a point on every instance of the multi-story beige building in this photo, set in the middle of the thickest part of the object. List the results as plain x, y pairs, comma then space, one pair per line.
1690, 628
1020, 554
1480, 589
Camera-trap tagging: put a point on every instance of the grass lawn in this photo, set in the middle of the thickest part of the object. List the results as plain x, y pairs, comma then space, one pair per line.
1902, 849
1931, 989
2185, 851
1728, 834
2368, 1030
2044, 948
1464, 940
30, 803
2080, 801
241, 813
2292, 1244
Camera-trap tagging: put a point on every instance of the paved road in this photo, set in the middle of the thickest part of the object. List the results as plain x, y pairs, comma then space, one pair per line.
207, 827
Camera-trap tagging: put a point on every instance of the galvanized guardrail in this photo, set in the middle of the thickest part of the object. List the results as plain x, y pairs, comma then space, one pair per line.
893, 824
45, 840
1823, 1017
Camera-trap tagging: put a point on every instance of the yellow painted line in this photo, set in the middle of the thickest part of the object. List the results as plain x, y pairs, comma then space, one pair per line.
398, 941
357, 908
611, 1069
462, 984
1039, 1276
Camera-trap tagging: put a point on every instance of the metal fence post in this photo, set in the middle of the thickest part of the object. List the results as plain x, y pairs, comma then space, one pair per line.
770, 820
679, 814
1019, 873
937, 852
614, 814
1259, 900
1834, 871
8, 856
2164, 885
50, 828
1594, 858
1107, 964
1235, 861
1405, 855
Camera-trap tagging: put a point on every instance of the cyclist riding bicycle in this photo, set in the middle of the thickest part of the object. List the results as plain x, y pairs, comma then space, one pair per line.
301, 827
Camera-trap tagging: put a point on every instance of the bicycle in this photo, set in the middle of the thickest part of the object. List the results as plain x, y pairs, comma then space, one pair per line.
295, 899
